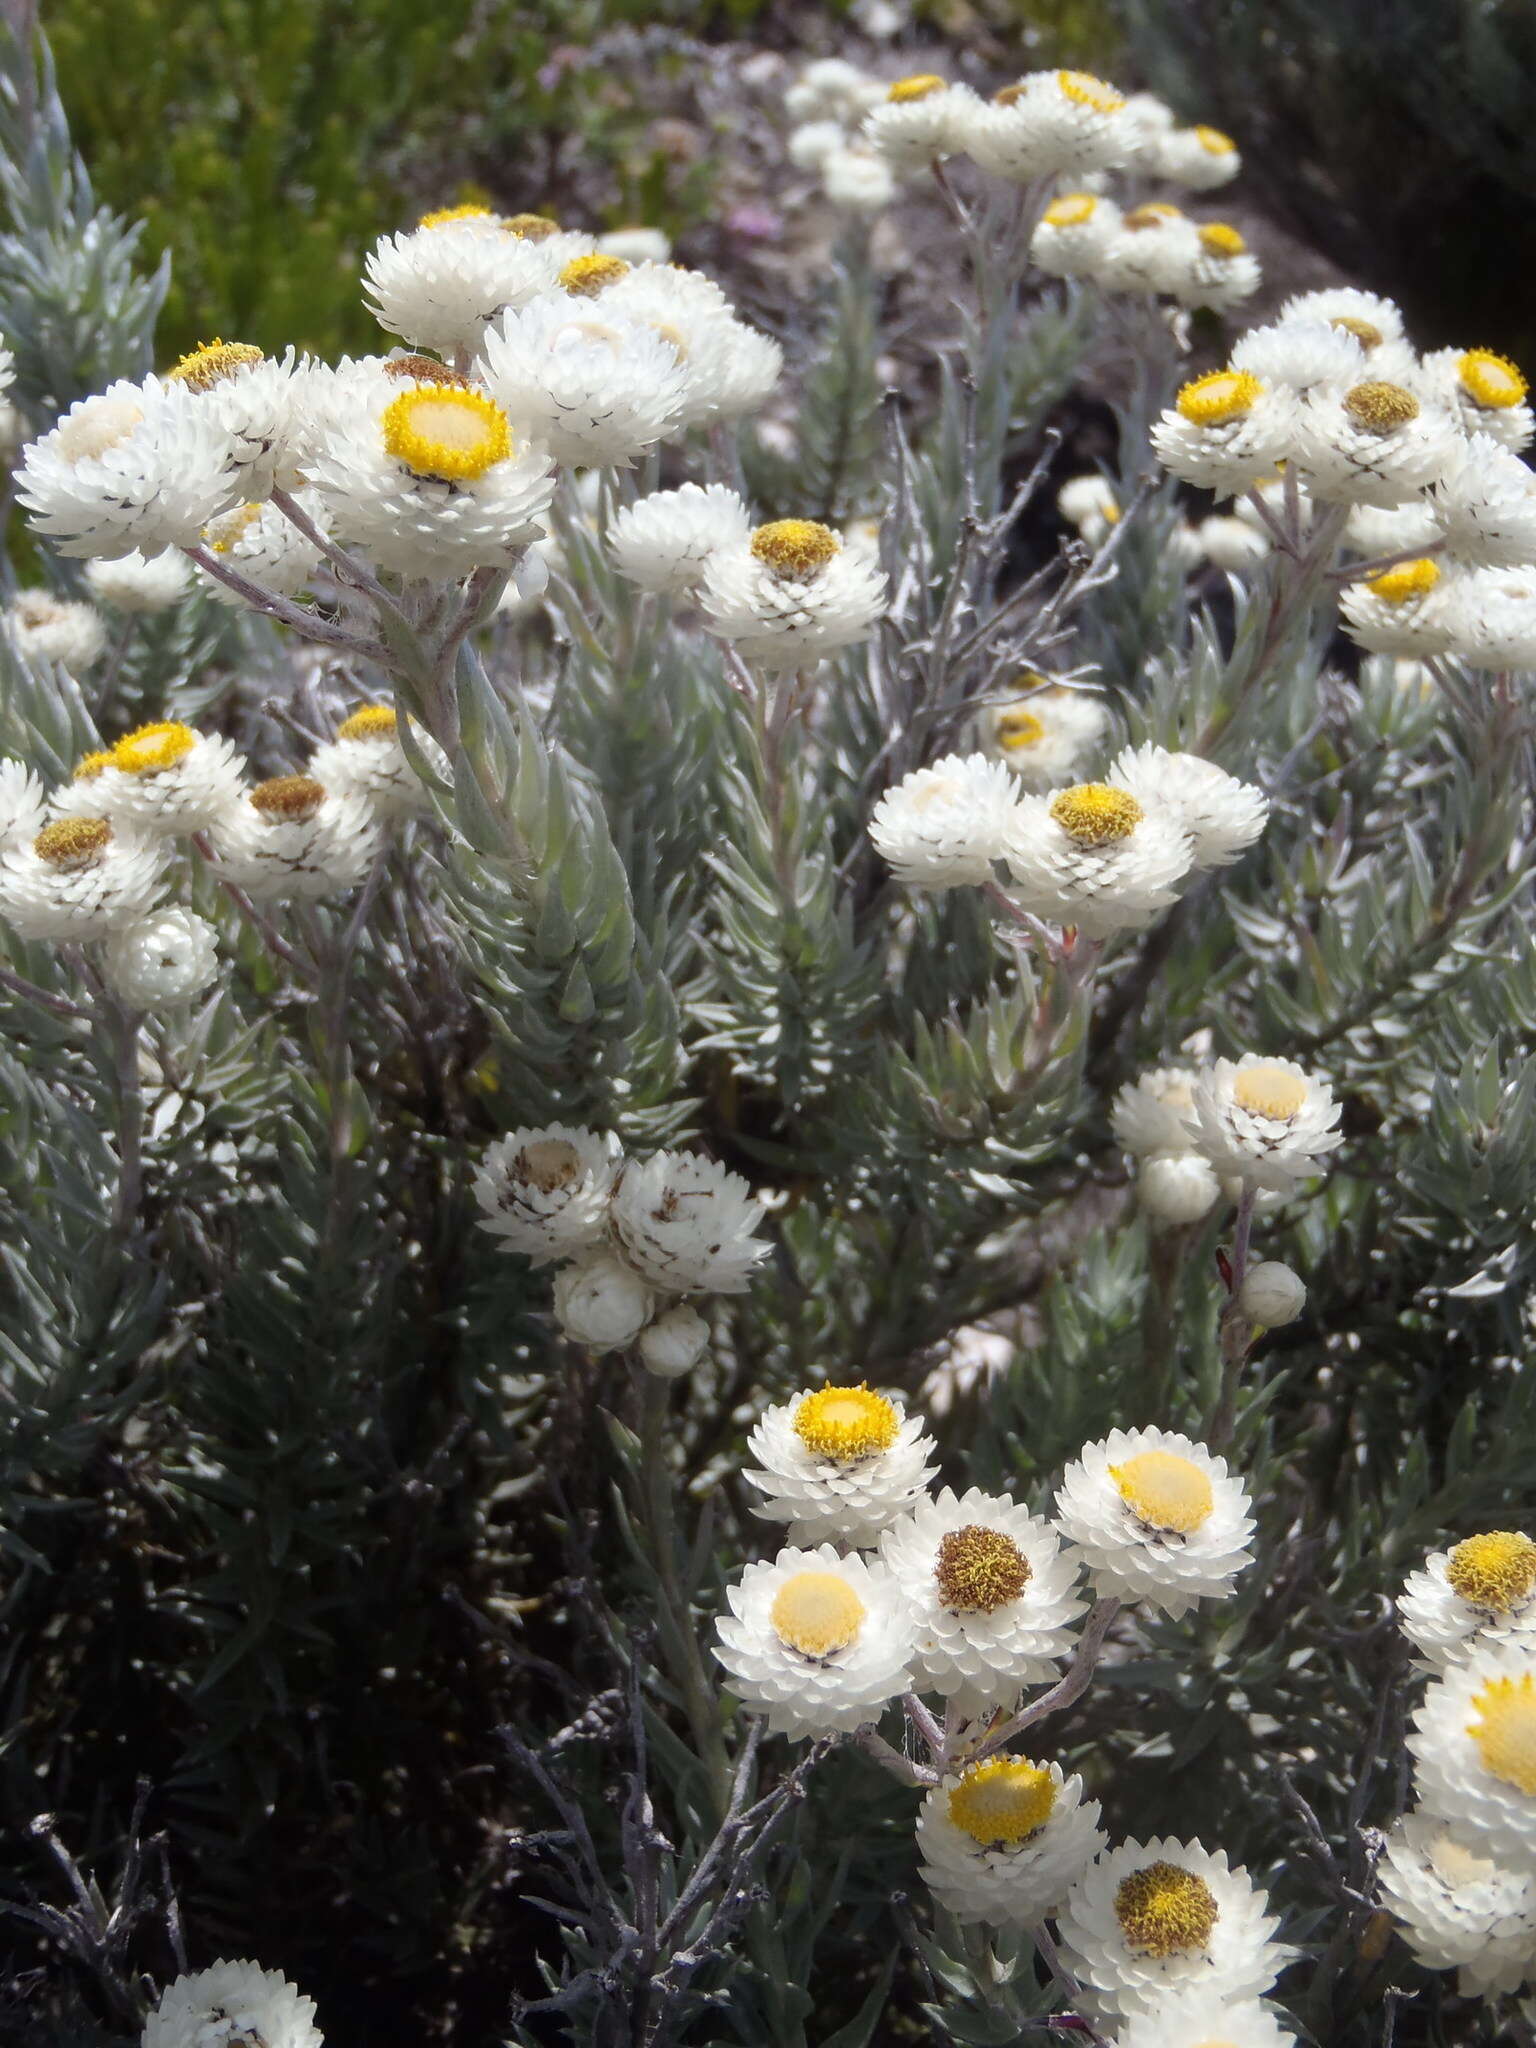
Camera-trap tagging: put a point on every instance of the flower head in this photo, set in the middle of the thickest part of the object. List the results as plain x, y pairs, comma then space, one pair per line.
1459, 1908
163, 959
791, 593
290, 837
686, 1223
1372, 444
839, 1462
1479, 1594
367, 759
1485, 505
663, 541
233, 2005
595, 384
42, 627
441, 286
1006, 1840
1222, 815
1474, 1741
1157, 1518
1052, 123
78, 878
943, 826
1266, 1120
1043, 733
1226, 430
1095, 856
544, 1191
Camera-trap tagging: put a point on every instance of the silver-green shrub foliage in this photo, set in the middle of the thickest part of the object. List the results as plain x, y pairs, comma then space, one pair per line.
355, 1620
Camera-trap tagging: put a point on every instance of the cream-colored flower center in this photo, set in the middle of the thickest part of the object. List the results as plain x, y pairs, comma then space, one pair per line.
34, 609
922, 85
152, 748
415, 369
370, 722
1407, 580
214, 362
846, 1423
1496, 1571
1220, 238
1005, 1801
70, 843
1223, 395
1018, 729
531, 227
1490, 380
979, 1570
225, 532
288, 799
817, 1613
96, 427
932, 788
440, 432
548, 1165
1365, 333
1071, 210
1380, 407
1088, 91
795, 548
1456, 1863
1164, 1910
585, 276
1165, 1491
1213, 142
1505, 1730
1094, 813
1269, 1090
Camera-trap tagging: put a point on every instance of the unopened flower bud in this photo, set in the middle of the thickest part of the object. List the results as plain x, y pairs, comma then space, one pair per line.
1271, 1295
602, 1302
674, 1343
1177, 1187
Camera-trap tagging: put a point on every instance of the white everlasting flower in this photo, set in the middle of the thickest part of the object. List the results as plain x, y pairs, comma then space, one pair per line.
266, 547
258, 402
1407, 609
1226, 430
1151, 1114
1406, 529
1232, 543
993, 1597
1151, 120
1157, 1517
1474, 1742
1177, 1187
440, 286
41, 627
162, 779
1199, 158
719, 358
1075, 234
817, 1642
842, 1462
1044, 733
1272, 1294
916, 123
1480, 1594
23, 803
545, 1190
1459, 1910
1485, 392
432, 482
943, 826
1089, 503
1153, 252
1268, 1121
1221, 814
164, 959
832, 89
602, 1302
1485, 505
686, 1222
674, 1343
1372, 445
1373, 320
1149, 1921
367, 759
813, 142
1052, 123
1005, 1841
1096, 856
663, 541
290, 837
1203, 2017
233, 2005
595, 387
140, 583
790, 594
139, 468
857, 180
78, 878
1491, 617
1302, 356
744, 366
1222, 272
635, 245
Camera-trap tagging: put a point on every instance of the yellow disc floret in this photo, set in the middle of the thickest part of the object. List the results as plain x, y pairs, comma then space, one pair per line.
1018, 729
1220, 396
1214, 142
1269, 1090
1496, 1571
1164, 1910
1071, 210
1088, 91
1505, 1730
1365, 332
585, 276
1380, 407
846, 1423
979, 1570
445, 433
1165, 1491
288, 799
150, 748
1220, 238
445, 216
922, 85
1094, 813
89, 766
795, 548
370, 722
72, 842
817, 1613
222, 535
1005, 1800
1490, 380
212, 362
1408, 579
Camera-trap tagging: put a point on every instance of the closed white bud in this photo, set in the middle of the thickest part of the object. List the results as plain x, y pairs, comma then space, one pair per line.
602, 1302
674, 1343
1177, 1187
1271, 1295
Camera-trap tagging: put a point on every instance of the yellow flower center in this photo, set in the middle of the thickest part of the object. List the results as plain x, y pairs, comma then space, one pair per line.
1222, 395
548, 1165
288, 799
1214, 142
1490, 380
370, 722
445, 216
1019, 729
979, 1570
150, 748
846, 1423
413, 369
1505, 1730
795, 548
1269, 1090
922, 85
1368, 335
214, 362
1496, 1571
531, 227
89, 766
1004, 1801
98, 426
445, 433
1151, 215
224, 533
585, 276
817, 1613
1165, 1491
72, 842
1165, 1910
1408, 579
1093, 813
1071, 210
1380, 407
1219, 238
1089, 91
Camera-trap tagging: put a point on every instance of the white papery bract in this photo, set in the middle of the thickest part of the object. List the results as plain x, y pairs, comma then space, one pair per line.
1267, 1121
367, 759
78, 878
602, 1302
1459, 1910
140, 583
686, 1222
1153, 252
1490, 617
1408, 609
1157, 1518
857, 180
817, 1642
663, 541
1046, 1835
674, 1343
635, 244
1272, 1294
1474, 1742
164, 779
993, 1596
839, 1462
1043, 734
744, 367
832, 89
1222, 272
1481, 1594
1377, 530
943, 826
1484, 505
921, 120
41, 627
1050, 123
545, 1189
1148, 1921
1096, 857
1075, 234
233, 2005
1370, 318
1371, 445
138, 468
23, 803
1151, 1113
1232, 543
164, 959
1222, 815
1198, 158
594, 385
1485, 392
720, 358
785, 598
440, 286
292, 839
1177, 1187
1202, 2018
265, 546
1301, 356
813, 142
258, 402
1227, 430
